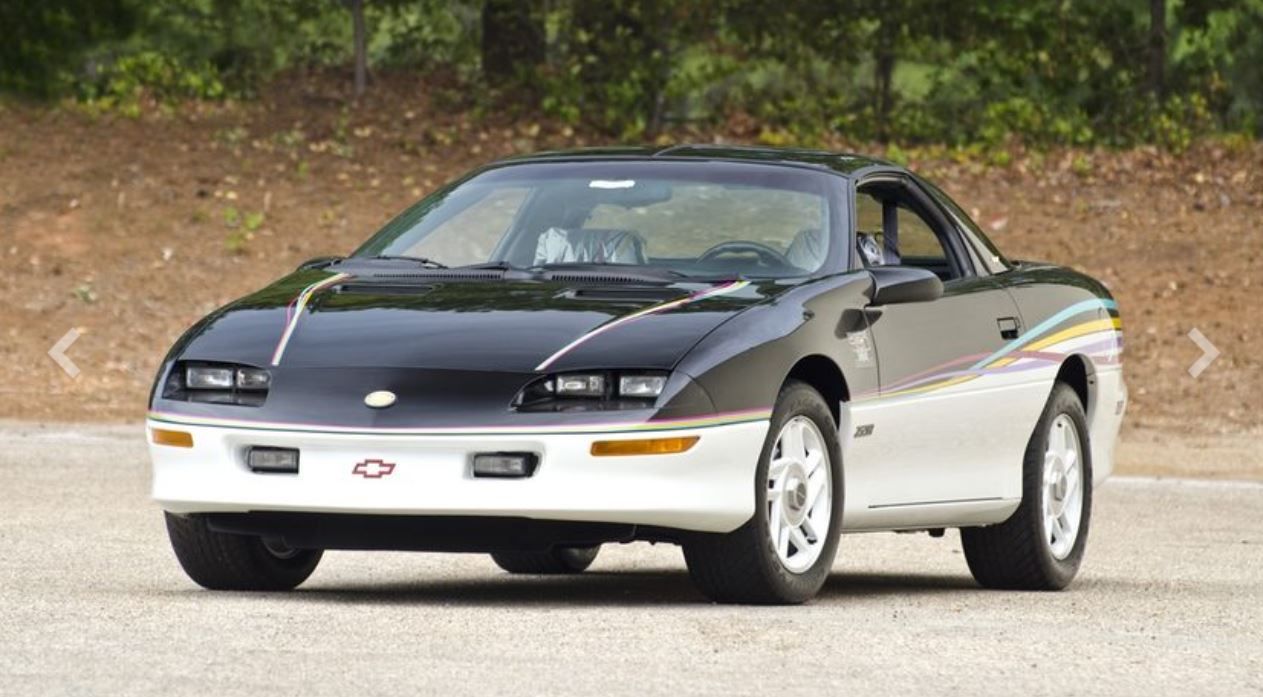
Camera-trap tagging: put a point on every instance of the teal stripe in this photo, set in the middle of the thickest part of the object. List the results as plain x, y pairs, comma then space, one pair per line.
1042, 327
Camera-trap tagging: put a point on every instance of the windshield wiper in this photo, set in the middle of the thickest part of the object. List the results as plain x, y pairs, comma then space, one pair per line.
490, 266
424, 261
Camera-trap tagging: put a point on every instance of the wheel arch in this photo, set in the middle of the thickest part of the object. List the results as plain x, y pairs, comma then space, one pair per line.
1077, 372
824, 375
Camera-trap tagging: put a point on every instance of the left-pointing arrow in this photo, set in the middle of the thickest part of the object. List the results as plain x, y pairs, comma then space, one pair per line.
58, 353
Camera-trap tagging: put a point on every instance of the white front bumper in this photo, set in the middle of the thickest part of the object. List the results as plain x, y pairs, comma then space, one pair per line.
708, 488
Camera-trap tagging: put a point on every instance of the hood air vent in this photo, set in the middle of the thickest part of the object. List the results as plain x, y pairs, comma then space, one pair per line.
373, 288
439, 275
630, 295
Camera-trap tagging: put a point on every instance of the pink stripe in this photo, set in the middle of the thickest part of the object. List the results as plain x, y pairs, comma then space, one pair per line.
294, 311
670, 305
592, 427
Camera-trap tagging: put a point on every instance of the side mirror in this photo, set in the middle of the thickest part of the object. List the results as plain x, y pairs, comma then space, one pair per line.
904, 284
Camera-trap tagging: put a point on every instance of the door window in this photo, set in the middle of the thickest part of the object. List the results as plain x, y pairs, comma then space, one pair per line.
890, 231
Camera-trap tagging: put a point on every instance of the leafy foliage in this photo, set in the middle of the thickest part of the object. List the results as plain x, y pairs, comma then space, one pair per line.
1044, 72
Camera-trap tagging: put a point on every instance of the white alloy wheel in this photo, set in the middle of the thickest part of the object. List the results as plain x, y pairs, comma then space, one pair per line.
799, 494
1062, 504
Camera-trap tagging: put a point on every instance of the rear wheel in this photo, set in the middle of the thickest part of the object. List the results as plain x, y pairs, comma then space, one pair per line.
783, 554
1041, 545
220, 561
558, 560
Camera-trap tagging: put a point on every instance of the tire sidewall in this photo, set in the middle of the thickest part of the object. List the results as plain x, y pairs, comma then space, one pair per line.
1064, 401
576, 559
798, 399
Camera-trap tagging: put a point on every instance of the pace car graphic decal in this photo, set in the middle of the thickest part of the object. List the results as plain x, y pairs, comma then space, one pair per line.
1045, 345
663, 307
707, 421
295, 311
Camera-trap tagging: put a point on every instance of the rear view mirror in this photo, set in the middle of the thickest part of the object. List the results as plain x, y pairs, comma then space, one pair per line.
630, 193
904, 284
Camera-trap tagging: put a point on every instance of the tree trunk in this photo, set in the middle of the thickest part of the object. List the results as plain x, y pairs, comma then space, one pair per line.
513, 39
883, 77
361, 50
1157, 47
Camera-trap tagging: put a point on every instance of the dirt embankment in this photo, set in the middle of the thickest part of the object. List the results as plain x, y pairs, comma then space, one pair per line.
129, 230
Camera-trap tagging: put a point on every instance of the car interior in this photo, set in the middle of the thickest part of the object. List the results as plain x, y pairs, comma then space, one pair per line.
894, 228
644, 226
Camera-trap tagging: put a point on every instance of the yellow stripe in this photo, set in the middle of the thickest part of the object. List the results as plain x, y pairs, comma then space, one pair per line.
934, 386
1073, 332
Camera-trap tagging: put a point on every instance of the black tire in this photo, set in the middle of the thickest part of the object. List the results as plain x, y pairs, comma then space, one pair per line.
1015, 554
742, 566
224, 562
558, 560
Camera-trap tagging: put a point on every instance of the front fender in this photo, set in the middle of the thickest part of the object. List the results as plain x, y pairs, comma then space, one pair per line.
744, 362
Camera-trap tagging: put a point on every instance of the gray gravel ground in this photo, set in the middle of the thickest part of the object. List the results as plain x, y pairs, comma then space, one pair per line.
92, 602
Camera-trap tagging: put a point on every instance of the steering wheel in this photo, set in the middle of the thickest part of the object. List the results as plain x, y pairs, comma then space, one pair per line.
767, 255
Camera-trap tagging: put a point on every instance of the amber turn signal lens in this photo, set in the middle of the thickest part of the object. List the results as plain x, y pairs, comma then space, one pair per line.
175, 439
651, 446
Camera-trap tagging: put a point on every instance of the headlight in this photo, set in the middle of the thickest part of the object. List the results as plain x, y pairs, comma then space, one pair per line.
209, 378
641, 386
253, 379
581, 385
592, 391
218, 384
220, 378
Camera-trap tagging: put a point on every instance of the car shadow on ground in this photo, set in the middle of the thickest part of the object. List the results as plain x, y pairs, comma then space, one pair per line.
602, 588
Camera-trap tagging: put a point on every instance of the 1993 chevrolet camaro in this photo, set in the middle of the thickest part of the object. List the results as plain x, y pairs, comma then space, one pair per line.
746, 352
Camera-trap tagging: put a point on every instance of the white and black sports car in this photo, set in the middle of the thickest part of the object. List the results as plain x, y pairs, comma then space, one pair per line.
747, 352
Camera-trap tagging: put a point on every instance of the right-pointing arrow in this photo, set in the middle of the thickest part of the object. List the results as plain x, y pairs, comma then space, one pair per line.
1209, 352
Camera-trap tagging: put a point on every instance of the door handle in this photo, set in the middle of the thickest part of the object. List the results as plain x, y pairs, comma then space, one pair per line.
1010, 327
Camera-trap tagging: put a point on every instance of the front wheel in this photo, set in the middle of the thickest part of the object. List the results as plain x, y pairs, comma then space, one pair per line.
783, 554
1041, 545
220, 561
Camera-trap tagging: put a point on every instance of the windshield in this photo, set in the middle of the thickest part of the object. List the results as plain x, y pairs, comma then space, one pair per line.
702, 219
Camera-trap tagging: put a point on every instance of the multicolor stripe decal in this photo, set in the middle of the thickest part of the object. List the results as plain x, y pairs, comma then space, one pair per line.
663, 307
1050, 323
295, 311
689, 423
1034, 349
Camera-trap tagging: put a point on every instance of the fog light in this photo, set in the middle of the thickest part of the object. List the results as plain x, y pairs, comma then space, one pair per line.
505, 464
651, 446
175, 439
283, 460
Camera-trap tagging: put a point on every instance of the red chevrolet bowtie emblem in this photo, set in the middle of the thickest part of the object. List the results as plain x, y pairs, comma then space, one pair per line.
373, 469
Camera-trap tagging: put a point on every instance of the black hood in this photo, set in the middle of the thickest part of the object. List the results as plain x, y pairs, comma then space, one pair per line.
468, 325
